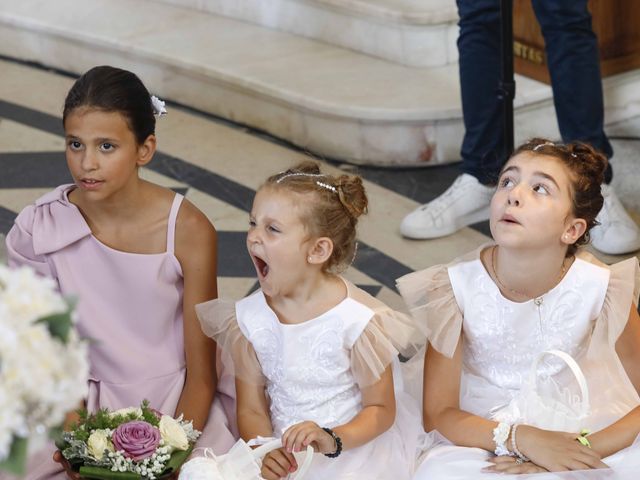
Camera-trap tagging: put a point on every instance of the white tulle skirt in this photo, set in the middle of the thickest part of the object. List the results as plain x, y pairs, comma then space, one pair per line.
390, 456
446, 461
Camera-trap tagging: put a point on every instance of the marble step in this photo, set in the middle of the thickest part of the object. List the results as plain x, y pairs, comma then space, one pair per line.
331, 101
418, 33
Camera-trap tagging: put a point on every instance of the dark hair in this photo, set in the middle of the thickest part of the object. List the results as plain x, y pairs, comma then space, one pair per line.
334, 210
586, 166
114, 90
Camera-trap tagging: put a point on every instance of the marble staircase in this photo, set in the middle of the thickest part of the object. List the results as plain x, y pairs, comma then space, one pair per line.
416, 33
308, 88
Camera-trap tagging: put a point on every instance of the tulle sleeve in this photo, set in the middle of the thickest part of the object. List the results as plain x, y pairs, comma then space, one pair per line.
622, 292
218, 321
429, 297
372, 352
399, 328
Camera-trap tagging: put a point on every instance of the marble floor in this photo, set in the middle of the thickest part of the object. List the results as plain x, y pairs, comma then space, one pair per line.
219, 165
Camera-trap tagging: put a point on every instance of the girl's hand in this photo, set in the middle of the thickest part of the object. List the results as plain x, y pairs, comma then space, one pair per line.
507, 464
57, 457
299, 436
278, 464
556, 451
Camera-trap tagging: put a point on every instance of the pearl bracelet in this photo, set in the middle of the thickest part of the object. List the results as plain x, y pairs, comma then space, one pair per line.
514, 444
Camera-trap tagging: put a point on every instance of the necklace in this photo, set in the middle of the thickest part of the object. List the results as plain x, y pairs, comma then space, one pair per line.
503, 287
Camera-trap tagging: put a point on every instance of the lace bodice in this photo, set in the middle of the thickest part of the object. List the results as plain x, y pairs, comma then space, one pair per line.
501, 337
307, 366
316, 370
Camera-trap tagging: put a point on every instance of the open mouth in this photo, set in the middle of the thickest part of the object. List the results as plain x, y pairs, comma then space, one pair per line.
261, 266
90, 183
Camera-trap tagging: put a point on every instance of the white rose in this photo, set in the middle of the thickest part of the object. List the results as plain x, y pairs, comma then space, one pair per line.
98, 442
172, 433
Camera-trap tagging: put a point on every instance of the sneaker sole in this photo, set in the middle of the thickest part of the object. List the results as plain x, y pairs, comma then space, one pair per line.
464, 221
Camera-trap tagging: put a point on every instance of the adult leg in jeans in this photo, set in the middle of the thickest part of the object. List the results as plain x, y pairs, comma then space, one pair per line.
574, 67
479, 63
467, 200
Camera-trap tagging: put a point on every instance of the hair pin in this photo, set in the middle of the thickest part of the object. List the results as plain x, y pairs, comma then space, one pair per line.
355, 252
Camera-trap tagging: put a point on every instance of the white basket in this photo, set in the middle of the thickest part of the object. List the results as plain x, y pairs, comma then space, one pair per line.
240, 463
568, 414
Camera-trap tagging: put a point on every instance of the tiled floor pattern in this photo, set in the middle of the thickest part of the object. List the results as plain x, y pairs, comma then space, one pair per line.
219, 165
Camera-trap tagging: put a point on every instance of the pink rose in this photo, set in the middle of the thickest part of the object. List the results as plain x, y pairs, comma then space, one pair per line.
137, 439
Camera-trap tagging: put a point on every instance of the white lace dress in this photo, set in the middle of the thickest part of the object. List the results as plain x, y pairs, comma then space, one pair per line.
582, 316
315, 370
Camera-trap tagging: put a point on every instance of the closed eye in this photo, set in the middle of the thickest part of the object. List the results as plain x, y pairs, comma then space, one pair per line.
271, 228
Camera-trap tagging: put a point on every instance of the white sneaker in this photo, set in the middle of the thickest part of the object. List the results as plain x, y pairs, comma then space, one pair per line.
465, 202
617, 232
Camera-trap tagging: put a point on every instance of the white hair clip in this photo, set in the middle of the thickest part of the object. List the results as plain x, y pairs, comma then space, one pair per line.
158, 106
540, 145
574, 155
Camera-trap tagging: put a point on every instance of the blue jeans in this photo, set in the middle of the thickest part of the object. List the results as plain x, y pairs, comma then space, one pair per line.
573, 62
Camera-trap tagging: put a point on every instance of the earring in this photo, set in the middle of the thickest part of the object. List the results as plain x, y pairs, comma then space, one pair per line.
309, 259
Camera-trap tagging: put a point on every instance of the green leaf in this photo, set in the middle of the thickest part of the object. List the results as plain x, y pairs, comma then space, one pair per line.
101, 473
59, 325
176, 460
55, 433
17, 459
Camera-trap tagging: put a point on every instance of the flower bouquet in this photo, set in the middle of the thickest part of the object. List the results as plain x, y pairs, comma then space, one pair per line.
43, 364
128, 444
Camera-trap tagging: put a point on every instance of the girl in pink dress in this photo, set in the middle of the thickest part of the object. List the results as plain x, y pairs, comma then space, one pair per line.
489, 314
137, 256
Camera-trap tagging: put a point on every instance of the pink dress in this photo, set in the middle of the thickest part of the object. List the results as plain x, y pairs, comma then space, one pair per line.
130, 306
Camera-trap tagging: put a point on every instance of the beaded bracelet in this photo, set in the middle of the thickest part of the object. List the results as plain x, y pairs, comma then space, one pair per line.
514, 444
500, 436
336, 439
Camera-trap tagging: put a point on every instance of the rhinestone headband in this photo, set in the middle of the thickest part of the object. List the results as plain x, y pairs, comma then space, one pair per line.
540, 145
303, 174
